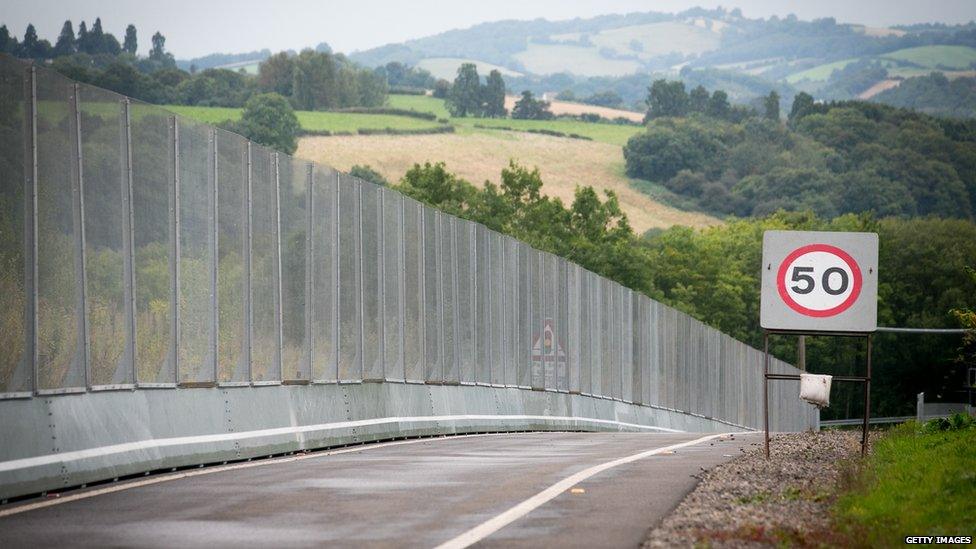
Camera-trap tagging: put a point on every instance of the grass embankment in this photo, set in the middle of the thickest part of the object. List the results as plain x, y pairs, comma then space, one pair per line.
917, 482
317, 121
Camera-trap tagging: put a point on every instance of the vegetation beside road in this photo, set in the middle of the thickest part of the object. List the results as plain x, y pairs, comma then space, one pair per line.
918, 481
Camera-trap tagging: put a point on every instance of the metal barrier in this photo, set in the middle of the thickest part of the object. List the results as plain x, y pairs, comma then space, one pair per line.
141, 250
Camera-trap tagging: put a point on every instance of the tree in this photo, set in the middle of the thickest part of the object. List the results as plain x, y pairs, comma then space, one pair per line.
442, 88
771, 106
494, 96
465, 96
698, 99
718, 105
131, 43
367, 173
8, 44
29, 47
268, 119
276, 74
158, 51
81, 43
529, 108
666, 99
66, 41
803, 105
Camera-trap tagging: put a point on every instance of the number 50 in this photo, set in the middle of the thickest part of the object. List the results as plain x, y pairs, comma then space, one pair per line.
799, 275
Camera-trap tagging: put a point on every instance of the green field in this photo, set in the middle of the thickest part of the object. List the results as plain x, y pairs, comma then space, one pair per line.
581, 60
446, 67
820, 72
605, 133
933, 57
315, 121
658, 39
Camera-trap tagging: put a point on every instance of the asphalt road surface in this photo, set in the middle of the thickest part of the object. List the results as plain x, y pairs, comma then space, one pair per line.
531, 490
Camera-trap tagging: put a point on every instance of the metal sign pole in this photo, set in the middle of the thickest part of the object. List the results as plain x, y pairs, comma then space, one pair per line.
766, 391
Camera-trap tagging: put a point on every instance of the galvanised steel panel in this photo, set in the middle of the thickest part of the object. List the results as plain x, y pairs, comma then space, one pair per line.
448, 295
525, 291
637, 346
413, 291
547, 337
154, 227
627, 346
433, 368
232, 357
293, 177
16, 211
562, 326
265, 291
573, 328
393, 282
496, 280
608, 328
587, 328
371, 229
512, 310
325, 274
537, 322
467, 358
483, 268
350, 280
196, 259
106, 190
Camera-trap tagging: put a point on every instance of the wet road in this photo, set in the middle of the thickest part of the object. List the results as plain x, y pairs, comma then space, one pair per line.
418, 493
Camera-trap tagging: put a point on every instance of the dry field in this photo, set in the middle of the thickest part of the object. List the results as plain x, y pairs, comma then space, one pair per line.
480, 156
567, 107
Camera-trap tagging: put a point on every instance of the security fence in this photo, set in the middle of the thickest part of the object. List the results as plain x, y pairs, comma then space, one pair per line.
140, 249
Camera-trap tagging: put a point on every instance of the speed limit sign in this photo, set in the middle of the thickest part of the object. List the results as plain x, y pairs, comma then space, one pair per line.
819, 281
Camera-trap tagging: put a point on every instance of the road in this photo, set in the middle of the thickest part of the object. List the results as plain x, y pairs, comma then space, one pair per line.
504, 490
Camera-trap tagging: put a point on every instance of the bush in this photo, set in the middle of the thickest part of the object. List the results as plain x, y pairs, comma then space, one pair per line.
268, 119
367, 173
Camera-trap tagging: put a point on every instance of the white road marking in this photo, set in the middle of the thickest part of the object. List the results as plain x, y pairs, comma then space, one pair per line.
498, 522
102, 451
221, 468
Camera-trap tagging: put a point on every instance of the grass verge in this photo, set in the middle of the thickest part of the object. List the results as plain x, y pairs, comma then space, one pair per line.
919, 481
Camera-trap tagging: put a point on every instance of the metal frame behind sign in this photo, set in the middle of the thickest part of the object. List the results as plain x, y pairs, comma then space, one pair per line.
857, 318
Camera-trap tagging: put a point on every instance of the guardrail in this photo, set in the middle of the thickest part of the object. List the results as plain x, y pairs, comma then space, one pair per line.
164, 280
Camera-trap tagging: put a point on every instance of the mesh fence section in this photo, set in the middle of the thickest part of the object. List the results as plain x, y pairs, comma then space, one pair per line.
496, 281
433, 371
154, 227
413, 291
466, 251
350, 289
536, 318
325, 274
232, 359
482, 306
265, 329
562, 326
607, 324
196, 258
596, 336
586, 328
512, 299
371, 223
60, 328
293, 183
448, 297
573, 325
525, 291
105, 198
631, 375
16, 185
392, 280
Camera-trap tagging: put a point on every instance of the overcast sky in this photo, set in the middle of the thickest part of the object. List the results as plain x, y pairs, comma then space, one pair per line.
198, 27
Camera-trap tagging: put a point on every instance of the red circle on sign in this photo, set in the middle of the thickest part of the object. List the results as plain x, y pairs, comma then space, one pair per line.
781, 280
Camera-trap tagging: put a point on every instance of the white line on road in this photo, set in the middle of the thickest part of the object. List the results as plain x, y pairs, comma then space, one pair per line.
495, 524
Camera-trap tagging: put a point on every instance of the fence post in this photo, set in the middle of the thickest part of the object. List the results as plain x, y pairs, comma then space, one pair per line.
175, 246
309, 270
248, 313
920, 407
30, 232
128, 243
277, 268
212, 174
79, 206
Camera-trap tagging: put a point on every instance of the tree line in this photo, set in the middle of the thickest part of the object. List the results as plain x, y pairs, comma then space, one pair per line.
467, 96
309, 80
830, 158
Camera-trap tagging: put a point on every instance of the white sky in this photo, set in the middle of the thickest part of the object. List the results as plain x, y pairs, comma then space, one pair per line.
198, 27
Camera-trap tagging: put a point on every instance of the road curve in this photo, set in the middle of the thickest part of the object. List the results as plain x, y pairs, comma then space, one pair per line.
420, 493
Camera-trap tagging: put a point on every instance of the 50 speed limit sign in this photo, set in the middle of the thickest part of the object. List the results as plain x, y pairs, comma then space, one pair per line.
819, 281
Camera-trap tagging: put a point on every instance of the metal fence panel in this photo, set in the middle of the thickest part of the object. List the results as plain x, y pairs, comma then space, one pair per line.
562, 325
525, 291
232, 358
265, 329
293, 184
537, 323
496, 279
413, 291
392, 279
512, 299
154, 226
16, 210
433, 370
325, 274
547, 336
447, 270
105, 196
637, 348
350, 296
586, 329
573, 328
371, 223
597, 320
482, 305
466, 251
196, 258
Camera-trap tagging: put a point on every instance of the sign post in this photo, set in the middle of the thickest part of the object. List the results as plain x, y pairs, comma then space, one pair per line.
819, 283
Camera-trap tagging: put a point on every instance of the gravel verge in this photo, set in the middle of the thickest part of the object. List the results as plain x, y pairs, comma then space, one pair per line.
751, 502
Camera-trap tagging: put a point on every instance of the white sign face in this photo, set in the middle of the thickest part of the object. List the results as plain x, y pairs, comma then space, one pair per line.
819, 281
